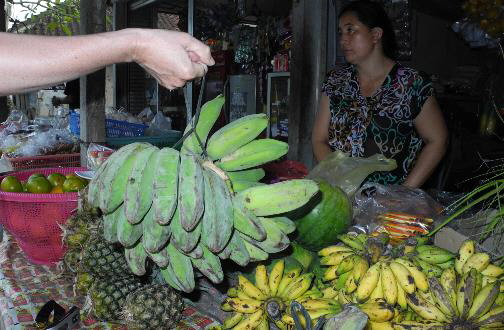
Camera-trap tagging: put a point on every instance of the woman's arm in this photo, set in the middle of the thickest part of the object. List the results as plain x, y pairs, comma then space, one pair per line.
31, 62
431, 127
320, 132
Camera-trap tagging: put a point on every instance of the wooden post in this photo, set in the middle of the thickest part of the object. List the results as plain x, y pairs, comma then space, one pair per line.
4, 111
92, 86
308, 66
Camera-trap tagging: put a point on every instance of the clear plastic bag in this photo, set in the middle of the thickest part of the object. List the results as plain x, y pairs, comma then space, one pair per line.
159, 125
397, 210
97, 155
347, 173
146, 115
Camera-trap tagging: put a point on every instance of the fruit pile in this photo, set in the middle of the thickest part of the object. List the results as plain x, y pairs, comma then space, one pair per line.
193, 207
417, 286
254, 306
37, 183
489, 14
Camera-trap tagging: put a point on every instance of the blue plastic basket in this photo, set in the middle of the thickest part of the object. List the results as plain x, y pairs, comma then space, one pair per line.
160, 141
114, 128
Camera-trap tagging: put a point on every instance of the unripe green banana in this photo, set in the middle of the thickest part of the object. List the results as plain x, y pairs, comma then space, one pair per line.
138, 192
127, 234
183, 240
209, 114
286, 225
209, 265
165, 188
182, 268
235, 134
279, 197
237, 250
246, 222
160, 258
191, 191
253, 175
255, 252
110, 225
136, 257
243, 185
253, 154
155, 236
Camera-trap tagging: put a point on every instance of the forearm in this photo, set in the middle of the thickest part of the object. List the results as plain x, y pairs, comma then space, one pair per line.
429, 158
32, 62
321, 150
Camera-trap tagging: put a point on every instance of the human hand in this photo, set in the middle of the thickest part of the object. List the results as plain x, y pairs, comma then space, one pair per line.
172, 57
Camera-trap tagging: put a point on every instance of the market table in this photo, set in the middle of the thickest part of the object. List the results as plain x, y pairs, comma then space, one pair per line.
25, 287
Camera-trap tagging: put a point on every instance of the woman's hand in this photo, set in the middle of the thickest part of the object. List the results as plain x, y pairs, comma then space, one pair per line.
431, 127
172, 57
320, 132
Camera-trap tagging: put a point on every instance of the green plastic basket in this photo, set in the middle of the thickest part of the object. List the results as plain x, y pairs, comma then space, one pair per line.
160, 141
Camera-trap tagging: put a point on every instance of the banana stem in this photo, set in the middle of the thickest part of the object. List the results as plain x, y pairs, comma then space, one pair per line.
465, 208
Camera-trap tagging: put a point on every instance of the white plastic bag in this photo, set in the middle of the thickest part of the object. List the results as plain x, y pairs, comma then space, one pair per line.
159, 125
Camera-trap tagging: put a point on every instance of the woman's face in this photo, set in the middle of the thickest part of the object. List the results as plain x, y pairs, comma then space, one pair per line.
356, 39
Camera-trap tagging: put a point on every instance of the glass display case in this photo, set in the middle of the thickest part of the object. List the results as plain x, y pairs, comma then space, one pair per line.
277, 106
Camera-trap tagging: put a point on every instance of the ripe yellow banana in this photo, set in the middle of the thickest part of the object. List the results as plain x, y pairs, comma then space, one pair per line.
314, 304
261, 279
492, 270
334, 249
250, 289
232, 292
368, 282
441, 298
466, 250
264, 324
424, 308
448, 281
344, 298
419, 277
378, 311
378, 290
403, 277
418, 325
401, 297
335, 258
298, 287
346, 265
287, 279
361, 266
494, 315
275, 276
250, 322
247, 306
233, 320
465, 292
478, 261
329, 292
389, 284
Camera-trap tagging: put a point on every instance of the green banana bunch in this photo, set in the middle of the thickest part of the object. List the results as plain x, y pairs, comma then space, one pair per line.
181, 210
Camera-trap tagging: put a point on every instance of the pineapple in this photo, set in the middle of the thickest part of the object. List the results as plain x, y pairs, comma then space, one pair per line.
108, 296
83, 282
101, 259
154, 306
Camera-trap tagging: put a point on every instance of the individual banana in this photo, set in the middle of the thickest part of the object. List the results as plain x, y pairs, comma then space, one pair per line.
183, 240
233, 320
403, 277
97, 189
368, 282
255, 252
114, 179
449, 264
289, 195
136, 257
247, 306
209, 114
441, 298
127, 234
261, 279
182, 268
378, 290
418, 325
334, 249
466, 250
264, 324
419, 277
138, 191
275, 276
478, 261
250, 175
351, 241
237, 250
335, 258
401, 297
361, 267
110, 225
235, 135
191, 191
433, 254
423, 308
253, 154
165, 187
448, 281
246, 222
209, 265
346, 265
286, 225
484, 300
287, 279
250, 289
466, 291
298, 287
160, 258
428, 269
155, 236
493, 317
378, 311
493, 271
314, 304
244, 185
217, 222
389, 284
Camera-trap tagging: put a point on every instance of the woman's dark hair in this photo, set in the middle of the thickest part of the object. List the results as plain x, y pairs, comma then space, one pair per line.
373, 15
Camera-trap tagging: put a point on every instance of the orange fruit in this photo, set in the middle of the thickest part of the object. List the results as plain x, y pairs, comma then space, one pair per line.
56, 179
39, 186
25, 187
57, 189
11, 184
36, 175
73, 184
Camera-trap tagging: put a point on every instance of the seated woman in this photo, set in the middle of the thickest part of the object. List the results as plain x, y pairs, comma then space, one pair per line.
376, 105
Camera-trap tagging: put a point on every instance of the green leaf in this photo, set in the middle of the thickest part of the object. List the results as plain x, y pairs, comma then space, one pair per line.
67, 31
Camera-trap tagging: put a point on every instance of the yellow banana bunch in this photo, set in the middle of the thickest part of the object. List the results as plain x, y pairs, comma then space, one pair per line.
273, 293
